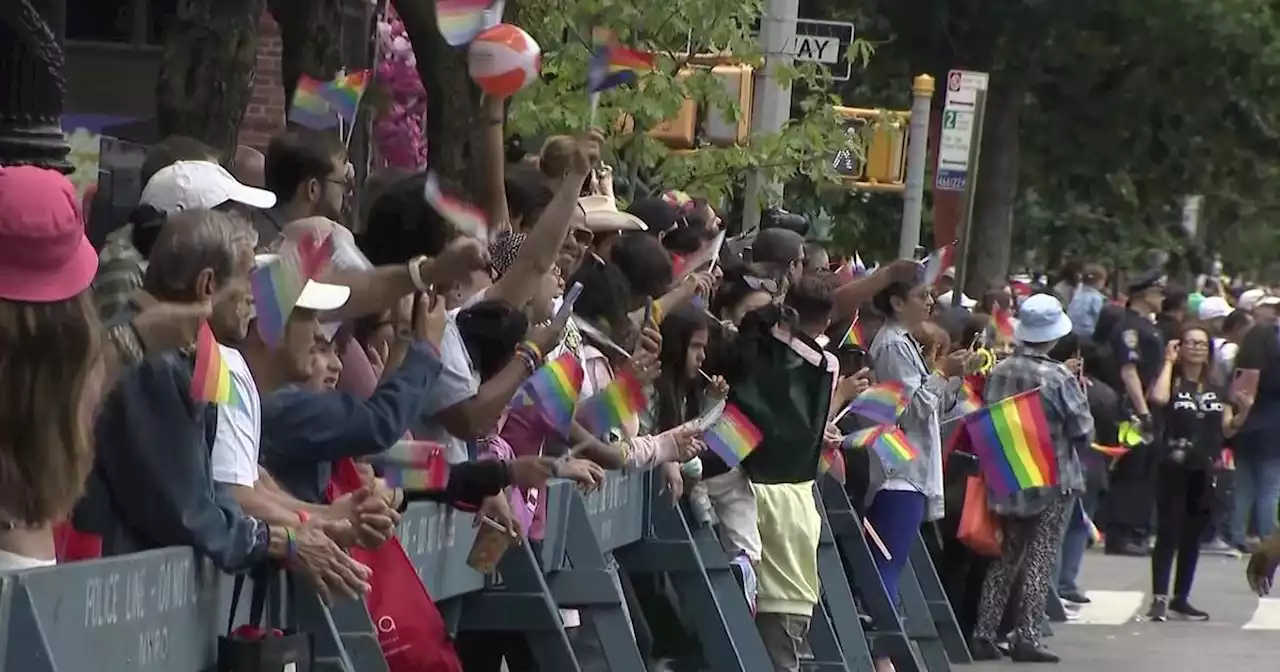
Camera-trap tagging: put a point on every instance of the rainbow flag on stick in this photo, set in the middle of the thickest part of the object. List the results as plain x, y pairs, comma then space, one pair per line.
968, 400
311, 106
854, 337
345, 91
465, 217
888, 442
555, 388
614, 406
414, 465
277, 285
1002, 323
211, 381
460, 21
733, 437
612, 64
832, 462
881, 403
1012, 443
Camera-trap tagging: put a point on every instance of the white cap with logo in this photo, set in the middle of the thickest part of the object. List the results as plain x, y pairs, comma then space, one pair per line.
200, 185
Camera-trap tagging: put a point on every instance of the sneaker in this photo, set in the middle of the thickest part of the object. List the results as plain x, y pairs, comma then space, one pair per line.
1075, 597
982, 649
1159, 611
1219, 547
1183, 610
1027, 652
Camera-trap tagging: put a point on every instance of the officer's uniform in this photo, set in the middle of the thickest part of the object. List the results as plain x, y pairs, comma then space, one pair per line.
1130, 501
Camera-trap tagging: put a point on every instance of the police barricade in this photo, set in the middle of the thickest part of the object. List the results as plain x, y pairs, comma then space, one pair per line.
165, 609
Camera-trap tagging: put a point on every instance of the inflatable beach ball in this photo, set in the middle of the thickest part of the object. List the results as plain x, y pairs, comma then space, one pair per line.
503, 60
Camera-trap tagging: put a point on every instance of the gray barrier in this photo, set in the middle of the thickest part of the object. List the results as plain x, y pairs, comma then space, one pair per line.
164, 609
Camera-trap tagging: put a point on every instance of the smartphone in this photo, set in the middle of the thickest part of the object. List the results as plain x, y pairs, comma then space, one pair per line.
566, 304
648, 315
851, 359
1245, 380
418, 298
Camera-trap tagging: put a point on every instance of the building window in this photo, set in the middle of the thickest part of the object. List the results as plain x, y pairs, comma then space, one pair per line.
134, 22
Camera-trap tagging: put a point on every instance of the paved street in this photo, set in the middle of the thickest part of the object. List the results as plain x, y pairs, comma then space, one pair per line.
1242, 636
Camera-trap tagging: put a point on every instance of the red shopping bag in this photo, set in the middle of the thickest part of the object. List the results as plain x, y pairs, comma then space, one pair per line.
72, 545
410, 629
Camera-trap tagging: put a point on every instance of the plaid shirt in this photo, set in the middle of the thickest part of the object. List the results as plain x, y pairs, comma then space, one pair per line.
1067, 412
119, 272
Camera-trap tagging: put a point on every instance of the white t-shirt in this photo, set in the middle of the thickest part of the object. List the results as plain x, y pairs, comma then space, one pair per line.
12, 561
457, 383
236, 442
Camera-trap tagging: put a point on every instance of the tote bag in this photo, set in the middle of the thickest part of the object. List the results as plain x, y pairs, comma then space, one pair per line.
979, 528
410, 629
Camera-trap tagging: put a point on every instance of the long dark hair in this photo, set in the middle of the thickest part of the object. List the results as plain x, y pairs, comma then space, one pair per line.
1207, 373
679, 397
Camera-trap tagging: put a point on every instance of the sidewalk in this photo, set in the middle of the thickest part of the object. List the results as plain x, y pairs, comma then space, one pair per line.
1243, 635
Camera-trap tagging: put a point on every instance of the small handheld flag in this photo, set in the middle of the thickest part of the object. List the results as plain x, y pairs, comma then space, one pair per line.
413, 465
832, 462
881, 403
1113, 452
733, 437
612, 64
616, 405
344, 93
888, 442
854, 336
460, 21
937, 263
465, 217
1002, 323
276, 286
555, 388
211, 381
311, 106
968, 400
1012, 442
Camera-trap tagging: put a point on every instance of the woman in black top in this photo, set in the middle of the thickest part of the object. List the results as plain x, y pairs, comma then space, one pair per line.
1195, 419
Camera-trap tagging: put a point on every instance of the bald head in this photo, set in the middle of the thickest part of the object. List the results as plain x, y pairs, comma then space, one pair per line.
249, 166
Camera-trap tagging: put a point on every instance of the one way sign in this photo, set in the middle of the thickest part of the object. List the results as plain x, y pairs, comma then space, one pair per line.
825, 42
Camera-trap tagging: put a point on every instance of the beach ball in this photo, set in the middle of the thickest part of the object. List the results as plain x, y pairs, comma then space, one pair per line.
503, 60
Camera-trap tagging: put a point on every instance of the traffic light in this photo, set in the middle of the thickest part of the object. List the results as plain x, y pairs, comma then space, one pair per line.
883, 135
682, 131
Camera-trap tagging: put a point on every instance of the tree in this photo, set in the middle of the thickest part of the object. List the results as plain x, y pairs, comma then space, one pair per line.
206, 74
558, 103
310, 31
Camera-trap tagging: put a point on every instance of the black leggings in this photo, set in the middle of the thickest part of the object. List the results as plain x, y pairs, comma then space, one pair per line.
1183, 503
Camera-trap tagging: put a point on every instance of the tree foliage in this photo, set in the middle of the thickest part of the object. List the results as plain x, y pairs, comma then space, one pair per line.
559, 103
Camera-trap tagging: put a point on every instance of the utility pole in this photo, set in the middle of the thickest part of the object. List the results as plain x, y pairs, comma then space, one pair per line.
771, 108
917, 161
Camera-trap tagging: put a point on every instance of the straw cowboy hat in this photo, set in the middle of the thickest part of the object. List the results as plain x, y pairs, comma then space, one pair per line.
603, 216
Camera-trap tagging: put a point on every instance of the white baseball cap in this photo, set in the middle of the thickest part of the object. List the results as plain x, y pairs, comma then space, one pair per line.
965, 302
319, 296
200, 185
1249, 298
1213, 307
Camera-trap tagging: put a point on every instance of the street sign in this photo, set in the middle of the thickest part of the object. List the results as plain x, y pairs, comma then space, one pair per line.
959, 112
823, 42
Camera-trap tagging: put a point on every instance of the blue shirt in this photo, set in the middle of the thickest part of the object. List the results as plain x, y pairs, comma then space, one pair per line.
303, 431
1083, 310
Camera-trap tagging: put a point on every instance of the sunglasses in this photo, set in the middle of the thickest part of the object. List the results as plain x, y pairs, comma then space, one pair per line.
766, 284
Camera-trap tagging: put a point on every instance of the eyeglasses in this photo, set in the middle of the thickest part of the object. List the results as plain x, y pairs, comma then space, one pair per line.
1196, 345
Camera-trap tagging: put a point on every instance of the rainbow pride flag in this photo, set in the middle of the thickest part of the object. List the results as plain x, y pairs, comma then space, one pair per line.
1002, 323
612, 64
881, 403
832, 462
276, 286
614, 406
465, 217
1113, 452
968, 400
311, 106
344, 93
211, 380
460, 21
733, 437
555, 388
413, 465
888, 442
1012, 443
854, 336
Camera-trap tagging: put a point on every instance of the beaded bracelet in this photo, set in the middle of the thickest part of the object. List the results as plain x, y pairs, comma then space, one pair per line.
533, 348
526, 358
656, 313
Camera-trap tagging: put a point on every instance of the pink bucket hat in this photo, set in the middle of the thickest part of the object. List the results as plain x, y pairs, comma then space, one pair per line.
44, 254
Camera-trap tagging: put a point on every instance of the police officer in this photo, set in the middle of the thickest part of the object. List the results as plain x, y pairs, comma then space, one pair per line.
1137, 348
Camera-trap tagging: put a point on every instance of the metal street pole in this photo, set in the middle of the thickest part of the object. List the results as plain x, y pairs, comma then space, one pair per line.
970, 196
771, 107
917, 161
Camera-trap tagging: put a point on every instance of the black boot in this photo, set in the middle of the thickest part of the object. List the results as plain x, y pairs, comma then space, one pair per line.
1028, 652
982, 648
1183, 610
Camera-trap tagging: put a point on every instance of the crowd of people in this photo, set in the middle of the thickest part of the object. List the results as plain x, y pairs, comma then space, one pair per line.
417, 328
